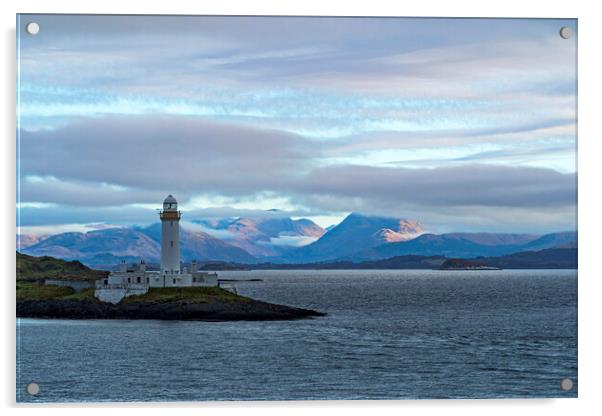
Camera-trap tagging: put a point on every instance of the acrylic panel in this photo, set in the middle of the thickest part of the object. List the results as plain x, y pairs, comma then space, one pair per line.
295, 208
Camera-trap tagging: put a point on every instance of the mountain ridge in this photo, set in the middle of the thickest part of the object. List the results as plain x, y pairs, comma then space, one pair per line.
260, 236
354, 233
464, 245
358, 237
105, 247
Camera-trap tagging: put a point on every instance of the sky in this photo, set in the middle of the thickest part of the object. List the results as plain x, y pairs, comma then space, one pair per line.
461, 124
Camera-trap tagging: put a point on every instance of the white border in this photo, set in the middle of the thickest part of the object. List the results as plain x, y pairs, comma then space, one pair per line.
590, 195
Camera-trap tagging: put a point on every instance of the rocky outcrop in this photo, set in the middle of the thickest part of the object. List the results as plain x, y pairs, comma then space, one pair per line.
219, 310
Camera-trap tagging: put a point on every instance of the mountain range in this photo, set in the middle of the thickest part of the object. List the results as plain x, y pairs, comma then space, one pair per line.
356, 233
282, 240
468, 245
266, 237
105, 248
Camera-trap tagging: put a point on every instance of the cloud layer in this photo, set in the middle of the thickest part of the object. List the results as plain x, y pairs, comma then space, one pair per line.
456, 122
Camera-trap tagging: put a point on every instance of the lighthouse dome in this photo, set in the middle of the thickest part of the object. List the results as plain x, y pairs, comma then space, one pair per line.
170, 203
170, 200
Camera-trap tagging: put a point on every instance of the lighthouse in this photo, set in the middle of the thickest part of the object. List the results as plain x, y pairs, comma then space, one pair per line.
137, 281
170, 236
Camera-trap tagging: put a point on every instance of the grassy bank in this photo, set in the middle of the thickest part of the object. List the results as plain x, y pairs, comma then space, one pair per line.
188, 294
34, 268
33, 291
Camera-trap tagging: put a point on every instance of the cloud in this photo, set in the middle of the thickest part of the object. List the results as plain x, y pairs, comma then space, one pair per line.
74, 214
46, 230
363, 188
121, 160
156, 156
55, 191
324, 78
138, 214
291, 240
445, 120
195, 227
134, 162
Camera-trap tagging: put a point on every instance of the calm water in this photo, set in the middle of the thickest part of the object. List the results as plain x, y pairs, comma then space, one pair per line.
388, 335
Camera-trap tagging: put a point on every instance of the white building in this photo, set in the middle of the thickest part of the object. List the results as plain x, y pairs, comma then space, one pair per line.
137, 282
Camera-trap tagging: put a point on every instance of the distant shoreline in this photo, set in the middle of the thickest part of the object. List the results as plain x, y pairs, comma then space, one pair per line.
548, 259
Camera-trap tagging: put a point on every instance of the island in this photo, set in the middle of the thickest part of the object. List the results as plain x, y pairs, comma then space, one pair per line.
56, 289
463, 264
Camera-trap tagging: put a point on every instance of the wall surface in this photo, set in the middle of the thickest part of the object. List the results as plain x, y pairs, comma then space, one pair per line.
114, 295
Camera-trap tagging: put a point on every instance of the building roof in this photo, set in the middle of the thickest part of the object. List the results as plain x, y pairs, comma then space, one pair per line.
170, 200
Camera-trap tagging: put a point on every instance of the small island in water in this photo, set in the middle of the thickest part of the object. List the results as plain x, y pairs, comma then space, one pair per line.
464, 264
56, 289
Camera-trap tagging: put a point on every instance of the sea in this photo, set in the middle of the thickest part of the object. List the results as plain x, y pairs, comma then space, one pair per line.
388, 334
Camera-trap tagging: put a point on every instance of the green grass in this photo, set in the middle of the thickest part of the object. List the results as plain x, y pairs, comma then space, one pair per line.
33, 291
189, 294
34, 268
81, 295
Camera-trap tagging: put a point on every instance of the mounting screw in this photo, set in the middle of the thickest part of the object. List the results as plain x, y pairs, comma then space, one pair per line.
566, 384
565, 32
32, 28
33, 389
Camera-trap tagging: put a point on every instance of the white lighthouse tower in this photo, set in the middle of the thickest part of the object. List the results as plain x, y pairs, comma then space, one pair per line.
170, 236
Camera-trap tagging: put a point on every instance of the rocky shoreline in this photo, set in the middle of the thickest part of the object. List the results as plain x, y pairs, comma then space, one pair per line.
241, 310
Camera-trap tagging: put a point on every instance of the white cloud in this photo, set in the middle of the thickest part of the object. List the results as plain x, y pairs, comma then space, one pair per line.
48, 230
314, 116
195, 227
291, 241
